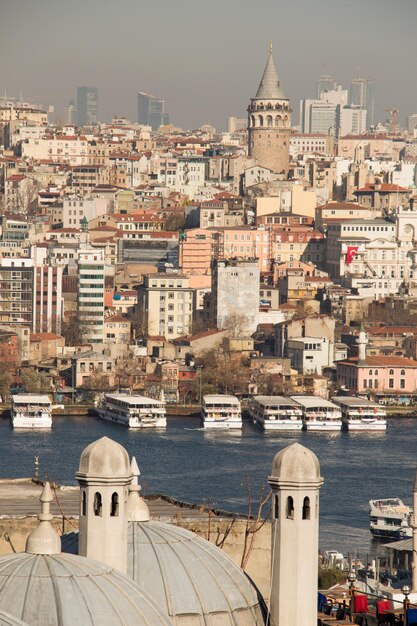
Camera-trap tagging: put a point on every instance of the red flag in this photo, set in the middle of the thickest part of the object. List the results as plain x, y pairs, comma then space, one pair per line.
351, 253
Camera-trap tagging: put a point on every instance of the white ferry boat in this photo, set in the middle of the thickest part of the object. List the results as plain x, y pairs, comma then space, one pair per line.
360, 414
319, 414
390, 519
221, 411
31, 410
276, 413
133, 411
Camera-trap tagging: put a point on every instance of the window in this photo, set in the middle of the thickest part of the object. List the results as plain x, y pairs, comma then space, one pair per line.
98, 505
84, 504
402, 372
391, 372
276, 507
290, 508
306, 508
391, 383
402, 383
114, 507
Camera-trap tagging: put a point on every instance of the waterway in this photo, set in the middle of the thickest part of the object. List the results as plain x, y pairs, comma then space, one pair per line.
213, 468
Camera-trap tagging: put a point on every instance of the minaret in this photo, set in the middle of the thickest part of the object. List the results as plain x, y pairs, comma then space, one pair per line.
269, 122
104, 476
295, 484
362, 343
43, 539
137, 509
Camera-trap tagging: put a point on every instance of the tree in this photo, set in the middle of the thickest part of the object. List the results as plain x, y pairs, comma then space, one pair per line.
71, 330
139, 323
35, 381
222, 373
175, 221
236, 325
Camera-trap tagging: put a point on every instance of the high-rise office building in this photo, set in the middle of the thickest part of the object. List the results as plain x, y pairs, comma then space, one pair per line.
362, 96
325, 83
87, 106
151, 111
71, 112
323, 115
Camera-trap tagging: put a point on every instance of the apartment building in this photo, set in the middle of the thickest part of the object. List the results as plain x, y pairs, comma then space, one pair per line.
167, 302
91, 294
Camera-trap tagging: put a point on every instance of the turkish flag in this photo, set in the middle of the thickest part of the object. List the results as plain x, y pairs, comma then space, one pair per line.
351, 253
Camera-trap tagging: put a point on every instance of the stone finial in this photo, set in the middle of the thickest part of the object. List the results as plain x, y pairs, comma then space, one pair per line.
137, 509
44, 539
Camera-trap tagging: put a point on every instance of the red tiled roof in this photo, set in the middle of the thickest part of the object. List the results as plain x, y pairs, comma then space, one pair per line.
384, 187
43, 336
380, 361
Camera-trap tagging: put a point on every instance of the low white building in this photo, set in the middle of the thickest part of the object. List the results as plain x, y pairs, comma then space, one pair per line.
310, 354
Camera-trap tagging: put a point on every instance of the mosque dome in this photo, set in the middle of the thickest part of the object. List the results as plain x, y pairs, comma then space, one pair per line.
296, 463
63, 589
8, 620
187, 576
104, 458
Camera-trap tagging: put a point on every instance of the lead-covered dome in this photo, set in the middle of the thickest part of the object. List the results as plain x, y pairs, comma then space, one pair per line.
187, 576
104, 458
68, 590
8, 620
295, 463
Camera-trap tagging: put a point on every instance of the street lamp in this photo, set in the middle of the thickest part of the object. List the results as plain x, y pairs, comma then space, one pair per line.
351, 578
406, 590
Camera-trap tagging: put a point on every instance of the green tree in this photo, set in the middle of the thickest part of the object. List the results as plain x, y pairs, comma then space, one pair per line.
35, 381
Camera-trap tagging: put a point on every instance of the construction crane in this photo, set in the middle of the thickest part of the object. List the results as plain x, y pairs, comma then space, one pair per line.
393, 119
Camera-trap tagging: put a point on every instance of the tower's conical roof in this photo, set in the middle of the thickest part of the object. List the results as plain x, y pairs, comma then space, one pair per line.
269, 87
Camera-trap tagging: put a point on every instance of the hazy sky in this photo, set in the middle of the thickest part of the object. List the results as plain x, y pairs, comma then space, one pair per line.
204, 57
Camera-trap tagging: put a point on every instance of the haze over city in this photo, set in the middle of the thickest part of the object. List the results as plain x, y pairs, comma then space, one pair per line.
204, 59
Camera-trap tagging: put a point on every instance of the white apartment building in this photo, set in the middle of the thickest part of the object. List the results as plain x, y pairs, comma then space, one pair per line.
352, 121
375, 256
191, 175
235, 294
76, 208
167, 302
91, 294
61, 149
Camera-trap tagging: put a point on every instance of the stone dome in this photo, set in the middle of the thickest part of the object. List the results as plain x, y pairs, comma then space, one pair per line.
104, 458
63, 589
187, 576
8, 620
295, 463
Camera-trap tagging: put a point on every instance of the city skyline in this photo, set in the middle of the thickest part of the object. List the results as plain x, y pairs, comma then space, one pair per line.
170, 50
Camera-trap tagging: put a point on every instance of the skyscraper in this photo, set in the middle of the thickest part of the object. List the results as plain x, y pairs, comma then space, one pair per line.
325, 83
150, 110
269, 122
362, 95
87, 106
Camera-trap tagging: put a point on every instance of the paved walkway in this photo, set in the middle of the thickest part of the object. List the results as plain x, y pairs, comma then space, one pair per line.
20, 498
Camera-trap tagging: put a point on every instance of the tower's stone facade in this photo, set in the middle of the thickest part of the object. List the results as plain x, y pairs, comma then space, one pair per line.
269, 122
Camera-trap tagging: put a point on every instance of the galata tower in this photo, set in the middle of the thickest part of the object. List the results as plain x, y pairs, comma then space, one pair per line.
269, 122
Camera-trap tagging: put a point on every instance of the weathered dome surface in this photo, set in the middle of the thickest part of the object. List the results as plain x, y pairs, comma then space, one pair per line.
105, 458
186, 575
68, 590
8, 620
296, 463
